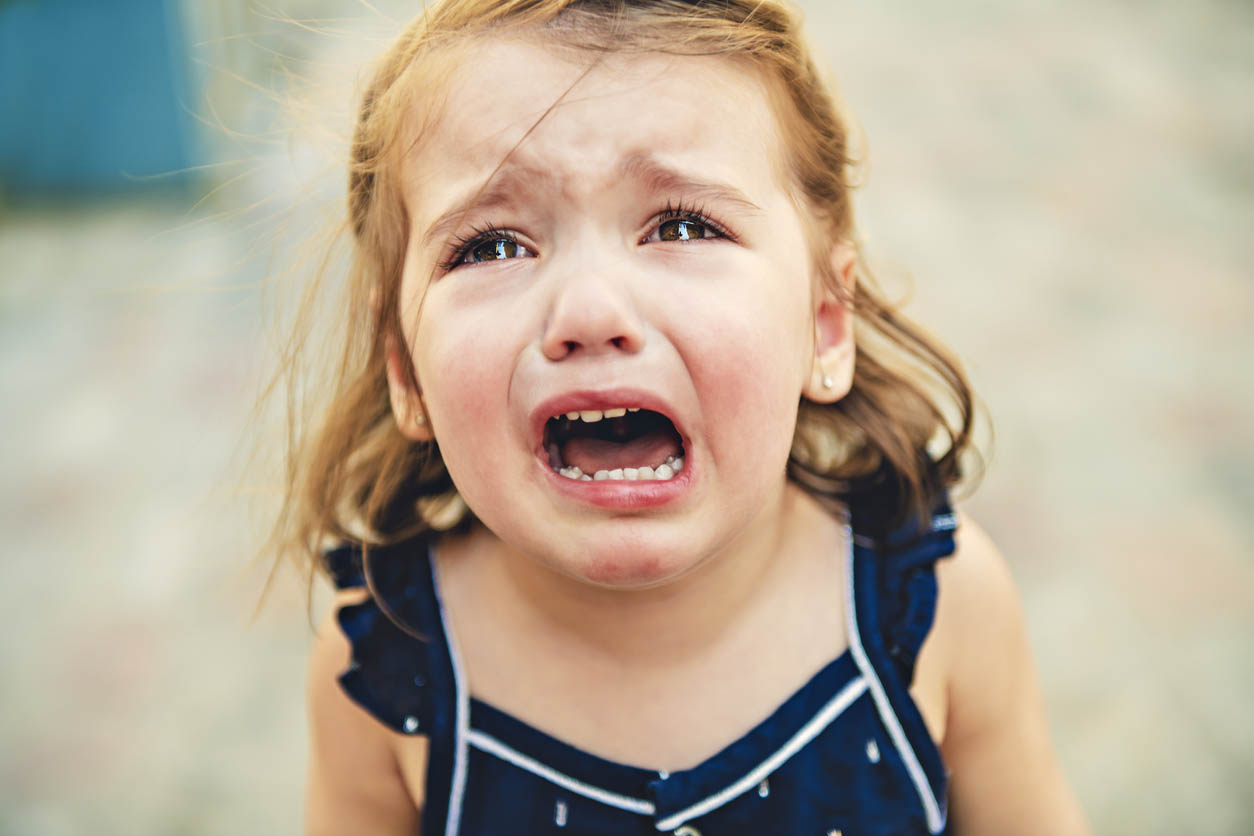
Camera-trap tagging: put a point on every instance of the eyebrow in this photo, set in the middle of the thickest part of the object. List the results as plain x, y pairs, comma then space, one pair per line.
655, 177
497, 192
645, 169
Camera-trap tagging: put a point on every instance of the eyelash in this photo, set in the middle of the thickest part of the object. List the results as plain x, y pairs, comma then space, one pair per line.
694, 213
463, 244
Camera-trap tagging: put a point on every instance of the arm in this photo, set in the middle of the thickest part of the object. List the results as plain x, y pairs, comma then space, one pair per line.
355, 784
1005, 775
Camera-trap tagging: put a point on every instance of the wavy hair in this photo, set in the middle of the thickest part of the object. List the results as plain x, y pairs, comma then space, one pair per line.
891, 446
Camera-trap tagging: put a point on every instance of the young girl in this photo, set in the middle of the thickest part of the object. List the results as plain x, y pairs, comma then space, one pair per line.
637, 487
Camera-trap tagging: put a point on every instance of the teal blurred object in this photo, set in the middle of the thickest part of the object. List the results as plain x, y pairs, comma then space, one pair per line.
94, 96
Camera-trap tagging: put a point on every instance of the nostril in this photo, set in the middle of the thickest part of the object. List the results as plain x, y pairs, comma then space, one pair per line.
584, 337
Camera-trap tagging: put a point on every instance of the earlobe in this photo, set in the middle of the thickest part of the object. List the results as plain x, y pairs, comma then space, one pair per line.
831, 374
407, 406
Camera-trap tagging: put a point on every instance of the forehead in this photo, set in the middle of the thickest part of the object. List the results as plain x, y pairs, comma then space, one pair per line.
532, 109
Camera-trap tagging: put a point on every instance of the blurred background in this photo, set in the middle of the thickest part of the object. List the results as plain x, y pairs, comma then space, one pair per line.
1065, 190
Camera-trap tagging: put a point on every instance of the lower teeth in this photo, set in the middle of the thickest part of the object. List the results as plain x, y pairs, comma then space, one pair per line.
661, 473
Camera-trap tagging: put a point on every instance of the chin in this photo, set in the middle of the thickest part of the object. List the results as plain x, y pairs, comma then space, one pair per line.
626, 568
634, 572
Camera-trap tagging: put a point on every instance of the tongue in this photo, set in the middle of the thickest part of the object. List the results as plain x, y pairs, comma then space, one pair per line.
593, 454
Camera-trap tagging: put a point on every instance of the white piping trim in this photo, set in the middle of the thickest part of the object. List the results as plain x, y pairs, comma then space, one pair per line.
935, 817
492, 746
945, 522
824, 718
461, 720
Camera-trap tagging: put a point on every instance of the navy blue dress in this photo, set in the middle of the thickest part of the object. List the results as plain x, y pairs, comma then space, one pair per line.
847, 754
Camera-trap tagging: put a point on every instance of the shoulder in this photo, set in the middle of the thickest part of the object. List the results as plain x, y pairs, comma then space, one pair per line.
355, 781
975, 606
980, 639
997, 743
979, 616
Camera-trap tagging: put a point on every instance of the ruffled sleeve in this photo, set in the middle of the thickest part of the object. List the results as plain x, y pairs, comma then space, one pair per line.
401, 670
390, 674
908, 589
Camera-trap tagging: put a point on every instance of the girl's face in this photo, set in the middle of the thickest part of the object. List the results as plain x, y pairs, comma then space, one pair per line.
637, 248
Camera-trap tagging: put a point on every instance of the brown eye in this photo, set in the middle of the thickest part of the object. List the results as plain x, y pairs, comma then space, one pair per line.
494, 250
680, 229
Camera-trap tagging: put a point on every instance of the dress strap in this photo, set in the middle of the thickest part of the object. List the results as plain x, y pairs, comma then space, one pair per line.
402, 671
891, 607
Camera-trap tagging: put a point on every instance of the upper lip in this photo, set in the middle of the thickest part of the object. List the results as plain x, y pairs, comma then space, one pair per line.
600, 399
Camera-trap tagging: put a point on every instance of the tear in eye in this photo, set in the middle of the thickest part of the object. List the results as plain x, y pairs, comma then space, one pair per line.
496, 249
680, 229
484, 245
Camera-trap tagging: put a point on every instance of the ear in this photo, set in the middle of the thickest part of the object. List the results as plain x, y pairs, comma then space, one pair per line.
831, 374
407, 406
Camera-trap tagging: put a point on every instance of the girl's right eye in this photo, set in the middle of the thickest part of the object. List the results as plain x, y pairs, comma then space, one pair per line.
488, 245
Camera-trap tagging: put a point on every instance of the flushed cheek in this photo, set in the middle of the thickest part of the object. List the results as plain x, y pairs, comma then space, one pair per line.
749, 388
465, 380
760, 408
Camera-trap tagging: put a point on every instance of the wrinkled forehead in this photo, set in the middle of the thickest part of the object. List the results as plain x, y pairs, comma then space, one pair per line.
533, 108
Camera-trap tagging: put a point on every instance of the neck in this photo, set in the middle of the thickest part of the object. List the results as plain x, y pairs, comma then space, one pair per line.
676, 621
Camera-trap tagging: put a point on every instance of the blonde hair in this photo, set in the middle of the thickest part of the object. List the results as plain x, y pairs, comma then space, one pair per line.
355, 477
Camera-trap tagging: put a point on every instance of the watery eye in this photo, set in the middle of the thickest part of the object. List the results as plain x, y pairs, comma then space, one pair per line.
496, 249
681, 229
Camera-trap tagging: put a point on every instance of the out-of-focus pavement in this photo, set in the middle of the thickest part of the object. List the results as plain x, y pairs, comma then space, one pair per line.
1071, 187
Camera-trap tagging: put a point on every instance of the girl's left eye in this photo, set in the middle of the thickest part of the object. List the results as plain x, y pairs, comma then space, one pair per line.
684, 225
680, 229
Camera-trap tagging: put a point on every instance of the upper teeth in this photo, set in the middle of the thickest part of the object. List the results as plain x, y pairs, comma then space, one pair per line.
661, 473
594, 415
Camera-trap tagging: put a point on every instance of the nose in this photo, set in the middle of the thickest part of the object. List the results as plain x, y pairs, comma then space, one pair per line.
592, 312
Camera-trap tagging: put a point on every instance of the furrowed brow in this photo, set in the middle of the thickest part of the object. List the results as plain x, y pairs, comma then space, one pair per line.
501, 191
655, 176
652, 175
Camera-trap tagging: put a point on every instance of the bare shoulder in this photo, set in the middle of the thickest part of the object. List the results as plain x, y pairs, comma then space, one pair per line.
978, 612
355, 782
997, 744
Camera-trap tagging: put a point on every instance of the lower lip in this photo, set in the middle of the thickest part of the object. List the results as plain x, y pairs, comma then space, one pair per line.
624, 494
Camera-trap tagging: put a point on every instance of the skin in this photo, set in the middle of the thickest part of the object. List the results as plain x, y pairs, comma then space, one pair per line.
596, 308
577, 616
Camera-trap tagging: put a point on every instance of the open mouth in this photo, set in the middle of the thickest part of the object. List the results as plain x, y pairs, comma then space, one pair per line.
624, 444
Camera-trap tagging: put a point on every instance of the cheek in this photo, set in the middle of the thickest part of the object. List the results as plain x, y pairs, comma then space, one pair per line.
752, 375
754, 394
462, 390
464, 373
